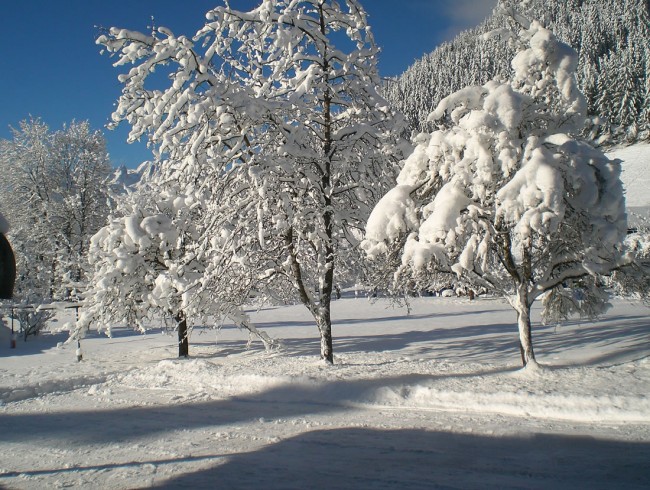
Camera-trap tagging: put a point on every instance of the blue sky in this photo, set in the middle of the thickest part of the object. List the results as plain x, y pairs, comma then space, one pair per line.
52, 68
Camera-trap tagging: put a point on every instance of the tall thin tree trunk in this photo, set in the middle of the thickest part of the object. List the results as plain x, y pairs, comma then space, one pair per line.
522, 303
523, 323
324, 322
324, 319
183, 341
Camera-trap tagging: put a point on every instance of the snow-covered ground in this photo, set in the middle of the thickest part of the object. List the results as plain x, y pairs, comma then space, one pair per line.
636, 179
430, 399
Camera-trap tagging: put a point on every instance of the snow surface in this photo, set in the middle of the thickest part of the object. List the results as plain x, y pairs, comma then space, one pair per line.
434, 399
636, 179
431, 399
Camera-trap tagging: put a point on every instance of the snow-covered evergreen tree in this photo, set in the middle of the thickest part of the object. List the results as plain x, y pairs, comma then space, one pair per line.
505, 195
274, 113
600, 30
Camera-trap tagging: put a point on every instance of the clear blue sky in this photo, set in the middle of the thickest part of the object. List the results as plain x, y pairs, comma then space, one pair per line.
52, 69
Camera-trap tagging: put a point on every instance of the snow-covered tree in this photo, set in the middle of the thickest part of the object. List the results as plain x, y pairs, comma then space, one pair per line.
633, 279
599, 30
507, 196
146, 267
276, 112
54, 189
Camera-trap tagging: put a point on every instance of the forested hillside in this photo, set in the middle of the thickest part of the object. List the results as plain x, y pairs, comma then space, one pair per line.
612, 38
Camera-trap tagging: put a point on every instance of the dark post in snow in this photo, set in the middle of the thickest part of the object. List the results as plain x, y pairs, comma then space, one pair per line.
7, 269
79, 353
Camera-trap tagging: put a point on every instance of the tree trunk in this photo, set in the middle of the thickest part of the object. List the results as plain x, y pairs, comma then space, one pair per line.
183, 341
320, 310
324, 322
523, 323
324, 319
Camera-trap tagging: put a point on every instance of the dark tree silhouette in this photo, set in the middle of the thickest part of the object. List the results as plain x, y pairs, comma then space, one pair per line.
7, 269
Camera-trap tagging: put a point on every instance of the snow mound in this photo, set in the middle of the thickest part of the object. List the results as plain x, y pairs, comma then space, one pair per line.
48, 387
201, 378
592, 409
585, 395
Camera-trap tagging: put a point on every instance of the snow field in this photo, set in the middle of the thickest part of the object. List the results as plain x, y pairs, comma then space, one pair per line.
636, 179
431, 399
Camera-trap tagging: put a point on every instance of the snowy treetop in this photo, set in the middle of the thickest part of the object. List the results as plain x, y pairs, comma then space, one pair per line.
506, 160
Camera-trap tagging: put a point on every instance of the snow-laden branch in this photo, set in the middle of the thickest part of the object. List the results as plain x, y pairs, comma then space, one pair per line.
509, 197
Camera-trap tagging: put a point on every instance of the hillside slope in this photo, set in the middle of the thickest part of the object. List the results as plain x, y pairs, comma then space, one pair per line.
612, 38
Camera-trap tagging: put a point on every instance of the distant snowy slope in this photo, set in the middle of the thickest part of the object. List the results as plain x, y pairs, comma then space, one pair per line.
636, 173
636, 179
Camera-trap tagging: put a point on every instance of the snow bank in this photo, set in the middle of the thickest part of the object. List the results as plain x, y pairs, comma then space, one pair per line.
200, 377
552, 395
46, 387
571, 394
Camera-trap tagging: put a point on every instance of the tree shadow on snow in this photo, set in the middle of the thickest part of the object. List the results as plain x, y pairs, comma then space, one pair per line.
354, 458
35, 344
357, 459
132, 423
470, 343
611, 339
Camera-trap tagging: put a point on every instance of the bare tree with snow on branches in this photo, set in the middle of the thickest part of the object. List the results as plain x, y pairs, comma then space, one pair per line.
276, 112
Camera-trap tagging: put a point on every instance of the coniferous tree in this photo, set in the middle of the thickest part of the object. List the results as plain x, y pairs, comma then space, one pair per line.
604, 32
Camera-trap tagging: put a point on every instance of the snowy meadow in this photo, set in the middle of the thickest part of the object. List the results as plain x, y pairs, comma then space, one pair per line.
219, 343
431, 399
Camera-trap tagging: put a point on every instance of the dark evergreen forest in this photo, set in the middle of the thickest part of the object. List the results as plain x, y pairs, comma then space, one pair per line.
612, 38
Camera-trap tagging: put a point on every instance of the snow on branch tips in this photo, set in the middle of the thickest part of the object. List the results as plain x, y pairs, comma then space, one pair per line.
508, 197
274, 118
